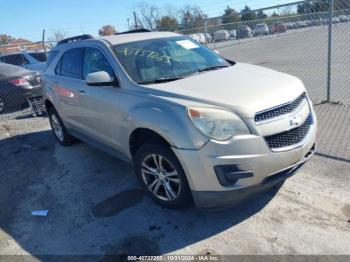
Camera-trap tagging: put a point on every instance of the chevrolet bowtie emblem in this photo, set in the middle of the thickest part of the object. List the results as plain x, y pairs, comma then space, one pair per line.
295, 121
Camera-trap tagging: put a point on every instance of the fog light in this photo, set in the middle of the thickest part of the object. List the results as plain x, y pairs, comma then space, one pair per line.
228, 175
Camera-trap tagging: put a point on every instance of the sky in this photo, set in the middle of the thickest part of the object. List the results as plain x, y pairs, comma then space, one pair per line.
27, 18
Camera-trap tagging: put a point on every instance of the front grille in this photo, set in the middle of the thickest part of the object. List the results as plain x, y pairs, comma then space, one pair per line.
290, 137
281, 110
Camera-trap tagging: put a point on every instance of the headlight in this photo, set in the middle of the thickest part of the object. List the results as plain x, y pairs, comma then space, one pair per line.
216, 123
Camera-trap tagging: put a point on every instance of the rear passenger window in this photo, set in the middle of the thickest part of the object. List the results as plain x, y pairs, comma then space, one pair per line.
71, 63
17, 59
95, 61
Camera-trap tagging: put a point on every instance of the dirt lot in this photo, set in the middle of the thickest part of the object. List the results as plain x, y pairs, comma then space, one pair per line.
96, 207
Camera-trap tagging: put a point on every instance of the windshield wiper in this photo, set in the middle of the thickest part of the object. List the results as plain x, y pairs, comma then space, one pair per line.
162, 80
216, 67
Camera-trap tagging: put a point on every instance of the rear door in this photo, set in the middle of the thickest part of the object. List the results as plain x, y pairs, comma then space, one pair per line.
68, 85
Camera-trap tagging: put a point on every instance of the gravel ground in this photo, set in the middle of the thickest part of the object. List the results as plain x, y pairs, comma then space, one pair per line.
96, 207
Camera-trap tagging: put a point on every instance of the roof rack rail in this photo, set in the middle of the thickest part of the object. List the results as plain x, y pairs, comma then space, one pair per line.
142, 30
75, 39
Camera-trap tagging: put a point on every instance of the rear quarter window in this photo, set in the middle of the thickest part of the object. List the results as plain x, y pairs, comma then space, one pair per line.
51, 57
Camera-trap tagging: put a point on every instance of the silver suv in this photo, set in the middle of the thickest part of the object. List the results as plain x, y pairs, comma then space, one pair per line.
196, 126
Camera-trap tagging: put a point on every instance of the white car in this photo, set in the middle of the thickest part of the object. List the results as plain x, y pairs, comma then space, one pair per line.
221, 35
261, 29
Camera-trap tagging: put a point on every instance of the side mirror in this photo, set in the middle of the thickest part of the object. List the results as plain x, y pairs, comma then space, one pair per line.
100, 78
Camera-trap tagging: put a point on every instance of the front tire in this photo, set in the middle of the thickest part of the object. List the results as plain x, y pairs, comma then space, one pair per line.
161, 176
59, 130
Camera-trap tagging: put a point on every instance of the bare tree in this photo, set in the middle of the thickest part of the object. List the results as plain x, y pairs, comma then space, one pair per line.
148, 15
56, 36
285, 11
107, 30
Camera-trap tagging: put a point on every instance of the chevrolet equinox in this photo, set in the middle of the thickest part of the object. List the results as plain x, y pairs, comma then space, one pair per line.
197, 126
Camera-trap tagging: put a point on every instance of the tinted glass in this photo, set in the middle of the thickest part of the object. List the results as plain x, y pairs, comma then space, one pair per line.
51, 56
17, 59
39, 56
150, 60
72, 63
95, 61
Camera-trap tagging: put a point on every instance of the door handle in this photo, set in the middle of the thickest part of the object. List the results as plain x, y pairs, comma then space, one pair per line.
82, 91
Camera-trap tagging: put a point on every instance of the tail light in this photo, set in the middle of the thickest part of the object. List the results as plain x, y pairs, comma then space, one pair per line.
19, 82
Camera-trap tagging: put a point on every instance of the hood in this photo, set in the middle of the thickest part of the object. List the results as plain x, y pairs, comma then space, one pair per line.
246, 89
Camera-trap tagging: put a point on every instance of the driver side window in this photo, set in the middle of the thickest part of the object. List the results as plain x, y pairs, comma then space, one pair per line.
95, 61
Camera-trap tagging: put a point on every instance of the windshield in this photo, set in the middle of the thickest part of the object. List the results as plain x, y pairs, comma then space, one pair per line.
166, 59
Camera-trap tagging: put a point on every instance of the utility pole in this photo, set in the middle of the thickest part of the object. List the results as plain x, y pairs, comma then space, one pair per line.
329, 69
135, 20
43, 41
128, 20
205, 25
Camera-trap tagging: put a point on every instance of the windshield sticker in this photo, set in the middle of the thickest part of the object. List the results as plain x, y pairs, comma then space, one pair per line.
187, 44
145, 53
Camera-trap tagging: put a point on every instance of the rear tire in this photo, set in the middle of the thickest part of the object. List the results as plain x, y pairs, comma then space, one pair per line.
59, 130
3, 106
161, 175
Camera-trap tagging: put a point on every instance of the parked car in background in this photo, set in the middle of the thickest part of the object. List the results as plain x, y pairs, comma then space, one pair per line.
261, 29
19, 88
31, 60
221, 35
196, 125
209, 38
278, 28
233, 34
244, 32
343, 18
200, 38
301, 24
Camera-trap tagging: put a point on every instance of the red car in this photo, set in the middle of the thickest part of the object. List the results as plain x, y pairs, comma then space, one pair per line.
278, 28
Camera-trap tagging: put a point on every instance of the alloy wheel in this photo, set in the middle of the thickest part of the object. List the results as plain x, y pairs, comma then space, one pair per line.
57, 127
160, 177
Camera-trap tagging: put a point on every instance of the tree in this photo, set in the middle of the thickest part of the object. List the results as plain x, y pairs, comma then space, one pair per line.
230, 16
261, 15
192, 17
274, 15
5, 39
305, 8
148, 15
107, 30
58, 35
248, 14
285, 11
167, 23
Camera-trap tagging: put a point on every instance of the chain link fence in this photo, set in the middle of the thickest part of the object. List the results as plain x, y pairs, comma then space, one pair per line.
305, 45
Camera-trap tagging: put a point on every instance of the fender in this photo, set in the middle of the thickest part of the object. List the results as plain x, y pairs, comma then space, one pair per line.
169, 121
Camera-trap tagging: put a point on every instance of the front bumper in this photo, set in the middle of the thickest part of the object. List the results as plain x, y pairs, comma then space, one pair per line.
248, 154
221, 200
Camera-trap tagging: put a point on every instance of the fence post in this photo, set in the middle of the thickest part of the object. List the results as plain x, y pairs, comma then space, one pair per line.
330, 26
206, 31
43, 42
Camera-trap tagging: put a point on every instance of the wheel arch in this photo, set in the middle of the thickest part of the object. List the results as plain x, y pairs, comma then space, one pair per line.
141, 135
